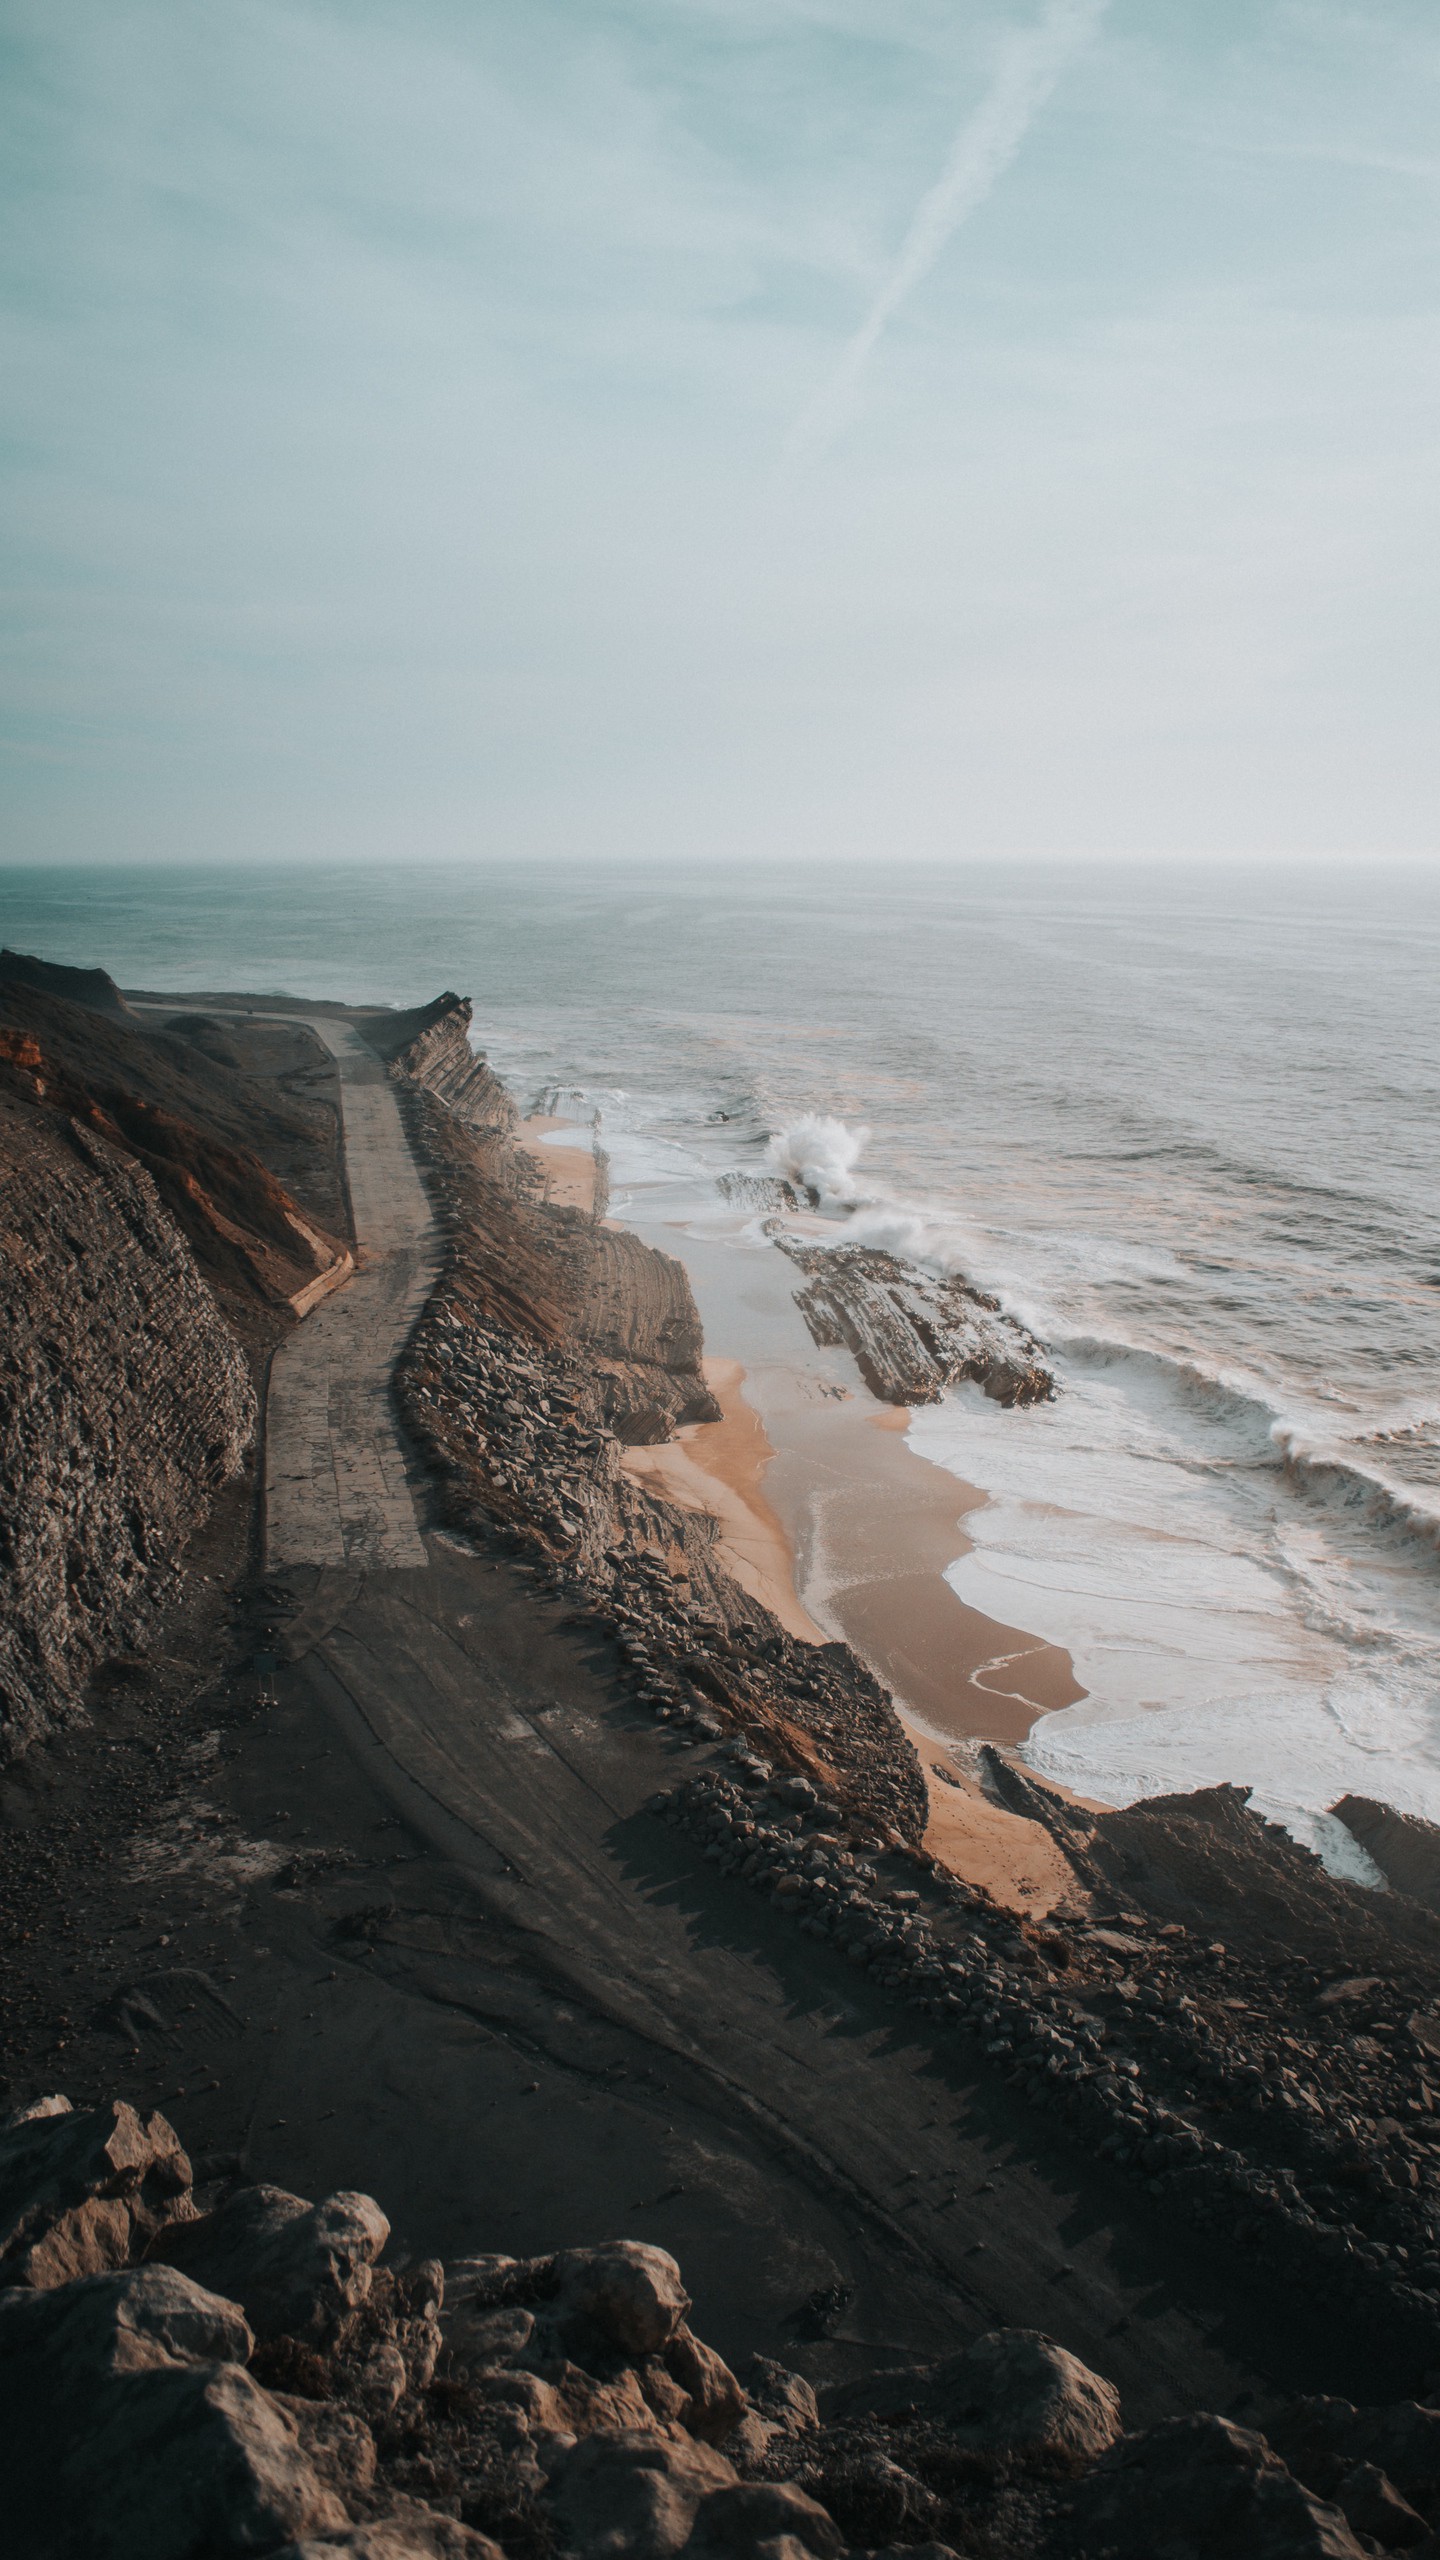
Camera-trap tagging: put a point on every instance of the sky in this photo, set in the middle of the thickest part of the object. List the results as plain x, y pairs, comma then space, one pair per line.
722, 430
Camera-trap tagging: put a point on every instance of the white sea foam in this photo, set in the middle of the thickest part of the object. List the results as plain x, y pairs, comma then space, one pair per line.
1234, 1614
821, 1154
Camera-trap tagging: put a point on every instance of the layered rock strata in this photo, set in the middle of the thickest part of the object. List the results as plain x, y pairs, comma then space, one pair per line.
250, 2376
913, 1333
224, 1146
550, 1345
125, 1403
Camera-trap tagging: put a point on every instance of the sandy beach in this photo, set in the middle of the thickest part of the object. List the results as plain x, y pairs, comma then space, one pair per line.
569, 1172
717, 1467
913, 1626
869, 1526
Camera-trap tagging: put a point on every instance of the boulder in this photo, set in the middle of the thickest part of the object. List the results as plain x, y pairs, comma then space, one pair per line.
337, 2442
874, 2499
1324, 2439
633, 2494
784, 2398
117, 2444
1204, 2489
750, 2444
733, 2523
126, 2323
1014, 2391
626, 2294
1374, 2506
296, 2267
714, 2401
477, 2339
83, 2191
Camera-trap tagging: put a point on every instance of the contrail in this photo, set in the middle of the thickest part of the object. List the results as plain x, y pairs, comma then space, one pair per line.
983, 149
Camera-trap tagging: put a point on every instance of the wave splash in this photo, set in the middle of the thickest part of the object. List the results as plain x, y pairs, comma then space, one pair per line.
820, 1153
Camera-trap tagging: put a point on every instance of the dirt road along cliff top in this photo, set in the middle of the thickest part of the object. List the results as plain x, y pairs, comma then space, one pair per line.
336, 1483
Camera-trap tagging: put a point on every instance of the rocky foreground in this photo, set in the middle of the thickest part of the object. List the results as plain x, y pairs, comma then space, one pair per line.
187, 2374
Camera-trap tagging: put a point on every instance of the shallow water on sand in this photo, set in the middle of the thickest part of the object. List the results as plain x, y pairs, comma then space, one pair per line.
1183, 1123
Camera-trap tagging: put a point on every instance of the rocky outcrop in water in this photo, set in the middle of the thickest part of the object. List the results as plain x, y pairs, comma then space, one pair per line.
913, 1333
1405, 1849
125, 1402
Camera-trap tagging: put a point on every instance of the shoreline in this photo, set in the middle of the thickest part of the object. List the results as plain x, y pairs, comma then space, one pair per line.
521, 1856
719, 1468
870, 1525
716, 1468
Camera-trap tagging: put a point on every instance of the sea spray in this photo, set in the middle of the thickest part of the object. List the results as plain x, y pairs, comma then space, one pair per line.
820, 1153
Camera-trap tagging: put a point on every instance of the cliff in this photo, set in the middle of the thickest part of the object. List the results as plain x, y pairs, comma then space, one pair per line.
200, 1126
125, 1402
552, 1343
431, 1047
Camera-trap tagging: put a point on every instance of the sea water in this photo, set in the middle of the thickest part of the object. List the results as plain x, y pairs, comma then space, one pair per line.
1183, 1121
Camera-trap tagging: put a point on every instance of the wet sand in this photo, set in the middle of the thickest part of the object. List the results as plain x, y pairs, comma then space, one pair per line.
720, 1467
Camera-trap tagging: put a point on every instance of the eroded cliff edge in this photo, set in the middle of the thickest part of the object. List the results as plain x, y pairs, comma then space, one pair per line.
552, 1343
125, 1403
149, 1257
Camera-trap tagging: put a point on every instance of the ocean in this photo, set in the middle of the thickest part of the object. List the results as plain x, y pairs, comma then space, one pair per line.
1182, 1120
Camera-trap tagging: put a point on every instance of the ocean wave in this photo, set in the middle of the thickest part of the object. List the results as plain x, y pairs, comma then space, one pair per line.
1367, 1491
1314, 1466
820, 1154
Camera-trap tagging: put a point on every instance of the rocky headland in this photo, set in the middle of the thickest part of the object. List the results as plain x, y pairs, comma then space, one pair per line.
551, 1892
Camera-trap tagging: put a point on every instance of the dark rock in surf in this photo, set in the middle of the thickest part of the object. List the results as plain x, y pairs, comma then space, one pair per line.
913, 1333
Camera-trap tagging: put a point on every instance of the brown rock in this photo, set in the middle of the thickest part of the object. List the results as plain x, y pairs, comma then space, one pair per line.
482, 2338
714, 2400
413, 2532
733, 2523
633, 2493
1374, 2506
114, 2445
296, 2266
338, 2443
83, 2192
1203, 2489
1012, 2391
784, 2398
627, 2294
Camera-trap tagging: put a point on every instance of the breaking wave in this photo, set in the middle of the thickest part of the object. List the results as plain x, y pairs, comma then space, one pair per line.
820, 1154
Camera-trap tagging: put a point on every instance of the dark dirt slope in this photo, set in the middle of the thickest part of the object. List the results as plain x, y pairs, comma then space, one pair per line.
1204, 1860
202, 1127
91, 987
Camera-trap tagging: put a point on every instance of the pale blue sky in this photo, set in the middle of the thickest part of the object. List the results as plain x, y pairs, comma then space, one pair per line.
429, 427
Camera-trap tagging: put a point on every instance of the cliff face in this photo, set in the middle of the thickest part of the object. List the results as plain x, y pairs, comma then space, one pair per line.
552, 1343
431, 1046
125, 1402
194, 1122
549, 1270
